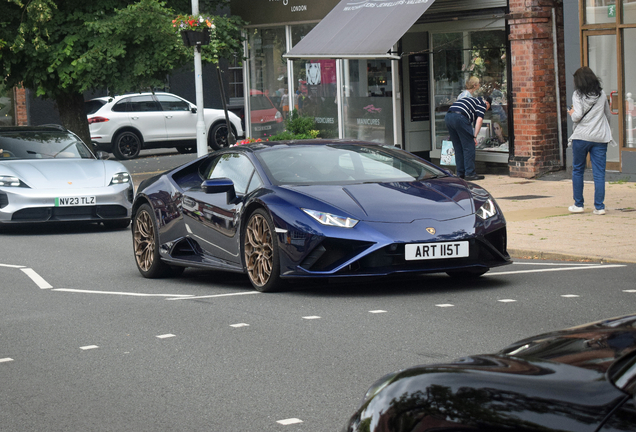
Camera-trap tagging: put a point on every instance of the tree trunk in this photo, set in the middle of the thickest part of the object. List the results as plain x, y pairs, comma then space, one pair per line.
73, 116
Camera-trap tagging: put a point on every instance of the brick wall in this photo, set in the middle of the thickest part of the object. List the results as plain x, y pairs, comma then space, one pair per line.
536, 140
20, 103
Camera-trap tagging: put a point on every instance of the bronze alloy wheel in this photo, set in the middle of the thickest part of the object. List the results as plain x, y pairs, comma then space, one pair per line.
144, 240
261, 253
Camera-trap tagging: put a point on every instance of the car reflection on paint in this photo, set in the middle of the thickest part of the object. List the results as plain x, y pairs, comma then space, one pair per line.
580, 379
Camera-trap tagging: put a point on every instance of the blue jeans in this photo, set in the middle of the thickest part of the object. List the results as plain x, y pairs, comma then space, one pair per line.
598, 156
461, 134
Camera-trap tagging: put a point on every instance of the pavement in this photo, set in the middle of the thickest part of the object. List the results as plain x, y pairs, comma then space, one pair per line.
541, 227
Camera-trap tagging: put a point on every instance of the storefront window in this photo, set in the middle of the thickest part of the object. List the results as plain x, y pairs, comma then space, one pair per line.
600, 11
458, 57
268, 80
629, 11
6, 106
315, 88
629, 85
368, 100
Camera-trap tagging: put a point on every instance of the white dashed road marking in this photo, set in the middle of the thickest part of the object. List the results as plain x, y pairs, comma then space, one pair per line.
239, 325
506, 300
311, 317
570, 295
5, 360
89, 347
12, 266
164, 336
122, 293
444, 305
629, 291
590, 267
290, 421
36, 278
377, 311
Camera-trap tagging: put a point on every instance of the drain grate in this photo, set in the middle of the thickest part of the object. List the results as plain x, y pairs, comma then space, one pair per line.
525, 197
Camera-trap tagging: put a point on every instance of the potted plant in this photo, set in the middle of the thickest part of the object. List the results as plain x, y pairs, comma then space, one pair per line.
194, 29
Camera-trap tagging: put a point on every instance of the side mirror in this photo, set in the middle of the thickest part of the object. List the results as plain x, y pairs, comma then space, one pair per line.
194, 110
220, 185
102, 155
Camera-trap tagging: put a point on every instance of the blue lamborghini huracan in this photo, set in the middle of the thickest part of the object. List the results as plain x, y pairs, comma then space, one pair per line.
320, 209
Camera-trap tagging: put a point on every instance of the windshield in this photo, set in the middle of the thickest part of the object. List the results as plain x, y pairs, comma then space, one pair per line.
342, 163
20, 145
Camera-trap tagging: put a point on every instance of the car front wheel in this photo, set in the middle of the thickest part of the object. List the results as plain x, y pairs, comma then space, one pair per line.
261, 252
146, 245
126, 145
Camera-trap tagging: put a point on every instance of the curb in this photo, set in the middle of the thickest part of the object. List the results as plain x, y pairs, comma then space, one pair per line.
539, 255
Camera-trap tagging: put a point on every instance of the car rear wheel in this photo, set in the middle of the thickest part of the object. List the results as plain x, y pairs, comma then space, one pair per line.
146, 245
261, 252
126, 145
218, 137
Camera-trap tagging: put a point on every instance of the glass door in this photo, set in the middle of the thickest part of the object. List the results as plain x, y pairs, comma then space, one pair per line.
629, 85
601, 57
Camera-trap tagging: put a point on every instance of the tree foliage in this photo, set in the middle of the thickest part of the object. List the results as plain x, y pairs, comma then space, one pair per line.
62, 48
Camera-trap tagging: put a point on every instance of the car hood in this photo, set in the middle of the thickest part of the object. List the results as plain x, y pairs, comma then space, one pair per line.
62, 173
401, 202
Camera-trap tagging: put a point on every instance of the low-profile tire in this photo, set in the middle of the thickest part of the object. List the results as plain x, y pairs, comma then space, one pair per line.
217, 138
186, 150
126, 145
117, 224
467, 274
260, 250
146, 245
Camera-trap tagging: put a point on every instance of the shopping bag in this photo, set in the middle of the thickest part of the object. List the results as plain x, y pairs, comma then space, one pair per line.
448, 153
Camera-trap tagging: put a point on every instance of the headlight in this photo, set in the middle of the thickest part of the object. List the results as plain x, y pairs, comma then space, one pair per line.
487, 210
12, 181
119, 178
331, 219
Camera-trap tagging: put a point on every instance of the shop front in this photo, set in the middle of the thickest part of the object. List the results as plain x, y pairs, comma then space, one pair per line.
377, 70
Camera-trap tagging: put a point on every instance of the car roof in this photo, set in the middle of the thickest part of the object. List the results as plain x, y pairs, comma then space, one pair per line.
118, 97
42, 128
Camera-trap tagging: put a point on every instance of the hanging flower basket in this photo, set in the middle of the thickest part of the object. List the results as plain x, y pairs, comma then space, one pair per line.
195, 37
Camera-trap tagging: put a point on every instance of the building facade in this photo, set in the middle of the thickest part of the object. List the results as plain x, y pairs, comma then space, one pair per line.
319, 58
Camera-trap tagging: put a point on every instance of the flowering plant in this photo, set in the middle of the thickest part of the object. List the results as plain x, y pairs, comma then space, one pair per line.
248, 141
193, 22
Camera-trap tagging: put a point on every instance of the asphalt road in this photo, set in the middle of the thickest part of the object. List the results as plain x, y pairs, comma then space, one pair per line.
87, 344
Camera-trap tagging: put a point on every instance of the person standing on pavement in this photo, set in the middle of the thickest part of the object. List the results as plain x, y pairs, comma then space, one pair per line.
459, 119
591, 133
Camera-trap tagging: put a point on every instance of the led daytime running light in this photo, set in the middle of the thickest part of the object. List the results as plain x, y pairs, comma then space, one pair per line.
120, 178
487, 210
9, 181
331, 219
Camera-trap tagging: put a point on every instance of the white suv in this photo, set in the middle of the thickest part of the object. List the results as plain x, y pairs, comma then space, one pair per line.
123, 125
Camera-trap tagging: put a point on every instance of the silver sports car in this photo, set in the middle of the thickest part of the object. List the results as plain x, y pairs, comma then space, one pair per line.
48, 174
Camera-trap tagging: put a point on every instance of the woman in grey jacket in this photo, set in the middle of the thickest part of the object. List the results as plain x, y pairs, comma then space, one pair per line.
590, 113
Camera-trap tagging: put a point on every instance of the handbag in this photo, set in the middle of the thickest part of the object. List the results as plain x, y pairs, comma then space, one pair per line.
448, 153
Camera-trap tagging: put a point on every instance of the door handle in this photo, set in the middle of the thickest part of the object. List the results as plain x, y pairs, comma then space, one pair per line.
134, 118
168, 117
614, 103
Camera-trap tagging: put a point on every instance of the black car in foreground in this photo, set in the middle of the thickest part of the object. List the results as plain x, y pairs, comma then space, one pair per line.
580, 379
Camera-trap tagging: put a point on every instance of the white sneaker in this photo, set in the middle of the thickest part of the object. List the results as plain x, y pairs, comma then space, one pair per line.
575, 209
599, 212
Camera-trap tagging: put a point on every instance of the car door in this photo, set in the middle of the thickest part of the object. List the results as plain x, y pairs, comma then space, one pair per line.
213, 222
181, 122
146, 115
